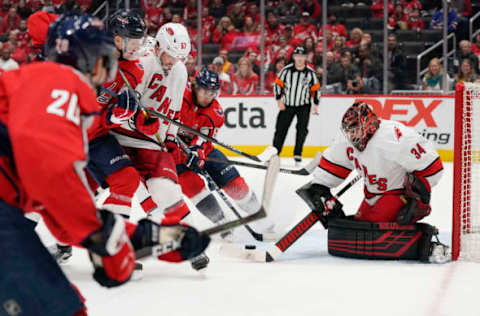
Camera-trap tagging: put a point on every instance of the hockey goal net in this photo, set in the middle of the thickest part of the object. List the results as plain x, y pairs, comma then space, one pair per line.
466, 174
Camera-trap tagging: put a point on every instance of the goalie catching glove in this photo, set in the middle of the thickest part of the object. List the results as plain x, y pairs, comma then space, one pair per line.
417, 199
320, 199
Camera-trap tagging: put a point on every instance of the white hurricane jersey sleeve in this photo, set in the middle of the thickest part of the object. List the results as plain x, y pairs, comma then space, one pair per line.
393, 151
334, 167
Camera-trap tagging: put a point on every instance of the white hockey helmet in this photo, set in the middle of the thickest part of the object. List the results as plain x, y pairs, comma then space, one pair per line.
173, 39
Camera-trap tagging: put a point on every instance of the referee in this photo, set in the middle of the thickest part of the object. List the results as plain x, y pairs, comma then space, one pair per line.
296, 86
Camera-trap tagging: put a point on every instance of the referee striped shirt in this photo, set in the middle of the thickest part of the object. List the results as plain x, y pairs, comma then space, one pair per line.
297, 87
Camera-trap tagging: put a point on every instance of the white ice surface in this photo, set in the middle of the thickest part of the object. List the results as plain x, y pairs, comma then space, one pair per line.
304, 281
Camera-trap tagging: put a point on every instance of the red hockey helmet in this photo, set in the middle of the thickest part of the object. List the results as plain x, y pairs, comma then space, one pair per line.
359, 124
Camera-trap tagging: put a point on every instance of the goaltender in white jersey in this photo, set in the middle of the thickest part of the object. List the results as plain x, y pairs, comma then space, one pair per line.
384, 152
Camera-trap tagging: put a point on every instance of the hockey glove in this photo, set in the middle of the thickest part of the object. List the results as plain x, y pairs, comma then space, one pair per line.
125, 108
416, 199
146, 124
173, 148
196, 159
181, 242
110, 251
319, 198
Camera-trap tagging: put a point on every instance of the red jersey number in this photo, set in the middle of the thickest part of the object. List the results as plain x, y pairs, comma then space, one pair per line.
418, 151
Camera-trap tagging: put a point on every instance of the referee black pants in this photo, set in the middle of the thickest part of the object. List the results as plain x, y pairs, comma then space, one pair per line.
284, 119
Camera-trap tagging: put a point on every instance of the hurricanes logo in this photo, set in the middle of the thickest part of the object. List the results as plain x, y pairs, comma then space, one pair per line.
170, 31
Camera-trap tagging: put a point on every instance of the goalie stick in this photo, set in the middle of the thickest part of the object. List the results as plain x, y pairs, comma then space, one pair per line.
212, 184
287, 240
305, 171
268, 186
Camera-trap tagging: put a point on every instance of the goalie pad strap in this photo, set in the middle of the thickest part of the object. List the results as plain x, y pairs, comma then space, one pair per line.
367, 240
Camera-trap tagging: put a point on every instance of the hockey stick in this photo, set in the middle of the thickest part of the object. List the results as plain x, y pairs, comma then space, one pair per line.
212, 184
199, 134
268, 186
287, 240
305, 171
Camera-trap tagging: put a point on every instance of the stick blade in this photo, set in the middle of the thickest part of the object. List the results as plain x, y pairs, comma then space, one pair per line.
270, 179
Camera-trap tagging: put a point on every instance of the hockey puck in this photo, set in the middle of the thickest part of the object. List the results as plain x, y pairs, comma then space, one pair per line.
250, 247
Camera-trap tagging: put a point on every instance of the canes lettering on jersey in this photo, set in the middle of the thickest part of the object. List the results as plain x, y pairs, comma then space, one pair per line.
393, 151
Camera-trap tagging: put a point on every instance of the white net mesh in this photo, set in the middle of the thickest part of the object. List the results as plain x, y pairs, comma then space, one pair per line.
470, 184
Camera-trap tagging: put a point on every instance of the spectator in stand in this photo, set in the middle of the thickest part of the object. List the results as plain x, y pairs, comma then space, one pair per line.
377, 8
227, 67
304, 29
154, 15
218, 9
476, 46
437, 19
236, 12
226, 87
272, 74
349, 72
397, 65
313, 7
398, 20
191, 66
371, 83
23, 39
4, 9
166, 17
310, 49
463, 7
335, 71
414, 21
225, 33
410, 5
273, 29
253, 58
178, 5
356, 85
367, 63
355, 38
465, 52
281, 54
18, 53
283, 45
337, 29
250, 36
330, 43
366, 40
176, 18
23, 10
252, 12
208, 24
289, 36
10, 22
338, 47
433, 79
244, 81
288, 9
7, 63
190, 10
466, 72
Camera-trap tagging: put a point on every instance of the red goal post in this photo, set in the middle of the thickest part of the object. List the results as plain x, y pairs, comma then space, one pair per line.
466, 173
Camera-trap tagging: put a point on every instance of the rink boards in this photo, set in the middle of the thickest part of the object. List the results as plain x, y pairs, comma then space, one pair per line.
250, 120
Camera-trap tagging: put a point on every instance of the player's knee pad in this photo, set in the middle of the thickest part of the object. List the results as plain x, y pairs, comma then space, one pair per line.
209, 207
191, 183
165, 192
367, 240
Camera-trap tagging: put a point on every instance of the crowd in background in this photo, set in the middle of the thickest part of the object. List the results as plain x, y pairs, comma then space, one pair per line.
354, 60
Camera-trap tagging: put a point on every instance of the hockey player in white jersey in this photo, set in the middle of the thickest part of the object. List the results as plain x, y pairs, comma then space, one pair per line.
399, 169
151, 142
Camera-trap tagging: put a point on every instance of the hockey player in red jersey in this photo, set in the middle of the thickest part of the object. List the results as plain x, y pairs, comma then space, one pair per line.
42, 160
201, 111
399, 168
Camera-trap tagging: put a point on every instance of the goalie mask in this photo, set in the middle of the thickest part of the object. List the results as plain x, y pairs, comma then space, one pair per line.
359, 124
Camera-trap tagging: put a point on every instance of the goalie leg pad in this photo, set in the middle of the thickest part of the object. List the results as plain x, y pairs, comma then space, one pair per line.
386, 241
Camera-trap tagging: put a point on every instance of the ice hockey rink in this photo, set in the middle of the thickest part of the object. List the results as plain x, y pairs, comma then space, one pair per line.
305, 280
